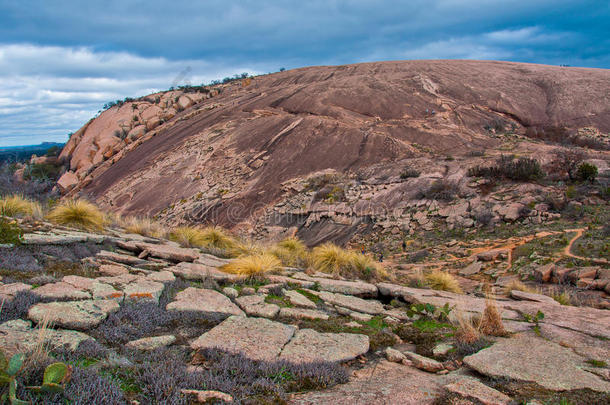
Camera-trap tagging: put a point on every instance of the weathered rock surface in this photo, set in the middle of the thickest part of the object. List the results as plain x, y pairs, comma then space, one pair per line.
204, 397
471, 388
80, 315
424, 363
527, 358
303, 313
173, 253
151, 343
61, 291
256, 338
379, 383
18, 336
8, 291
200, 272
144, 289
527, 296
299, 299
207, 302
309, 346
357, 288
255, 305
354, 303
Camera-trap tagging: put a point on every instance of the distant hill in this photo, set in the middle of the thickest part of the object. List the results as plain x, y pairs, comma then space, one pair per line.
22, 153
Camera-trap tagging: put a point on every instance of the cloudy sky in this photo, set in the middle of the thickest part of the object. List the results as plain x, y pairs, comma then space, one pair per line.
61, 60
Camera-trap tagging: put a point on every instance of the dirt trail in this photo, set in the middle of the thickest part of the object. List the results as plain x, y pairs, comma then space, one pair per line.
568, 249
511, 244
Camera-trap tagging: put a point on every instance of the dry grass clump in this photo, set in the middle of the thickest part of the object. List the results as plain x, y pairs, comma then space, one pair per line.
440, 280
16, 206
78, 213
210, 237
330, 258
254, 264
491, 321
292, 252
365, 267
466, 333
519, 286
145, 227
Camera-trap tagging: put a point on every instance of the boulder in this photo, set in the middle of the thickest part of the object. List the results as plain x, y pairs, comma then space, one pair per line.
299, 300
206, 302
543, 273
143, 289
61, 291
510, 212
424, 363
80, 315
67, 182
169, 252
371, 307
303, 313
394, 355
120, 258
472, 268
255, 305
112, 270
205, 397
8, 291
200, 272
358, 288
492, 255
309, 346
532, 359
471, 388
256, 338
151, 343
527, 296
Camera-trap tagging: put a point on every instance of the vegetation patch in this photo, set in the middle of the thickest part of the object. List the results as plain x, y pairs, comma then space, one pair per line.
507, 167
78, 213
253, 264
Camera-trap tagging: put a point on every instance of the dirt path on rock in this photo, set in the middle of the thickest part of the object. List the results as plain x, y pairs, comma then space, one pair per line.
567, 251
511, 244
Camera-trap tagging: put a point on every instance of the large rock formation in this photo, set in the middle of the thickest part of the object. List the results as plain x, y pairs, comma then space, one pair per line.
227, 159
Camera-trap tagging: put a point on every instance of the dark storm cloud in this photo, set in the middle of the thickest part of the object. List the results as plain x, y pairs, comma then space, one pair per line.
61, 60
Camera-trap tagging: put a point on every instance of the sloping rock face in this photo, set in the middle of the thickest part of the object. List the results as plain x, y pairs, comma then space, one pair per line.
529, 359
224, 159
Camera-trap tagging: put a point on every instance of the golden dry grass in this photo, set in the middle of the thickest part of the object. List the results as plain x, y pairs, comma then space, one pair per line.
330, 258
255, 264
491, 321
440, 280
365, 267
519, 286
19, 206
144, 226
210, 236
466, 332
78, 213
291, 252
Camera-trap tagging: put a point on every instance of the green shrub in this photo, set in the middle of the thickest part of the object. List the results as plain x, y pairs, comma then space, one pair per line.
42, 171
440, 190
586, 172
409, 173
507, 167
10, 232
